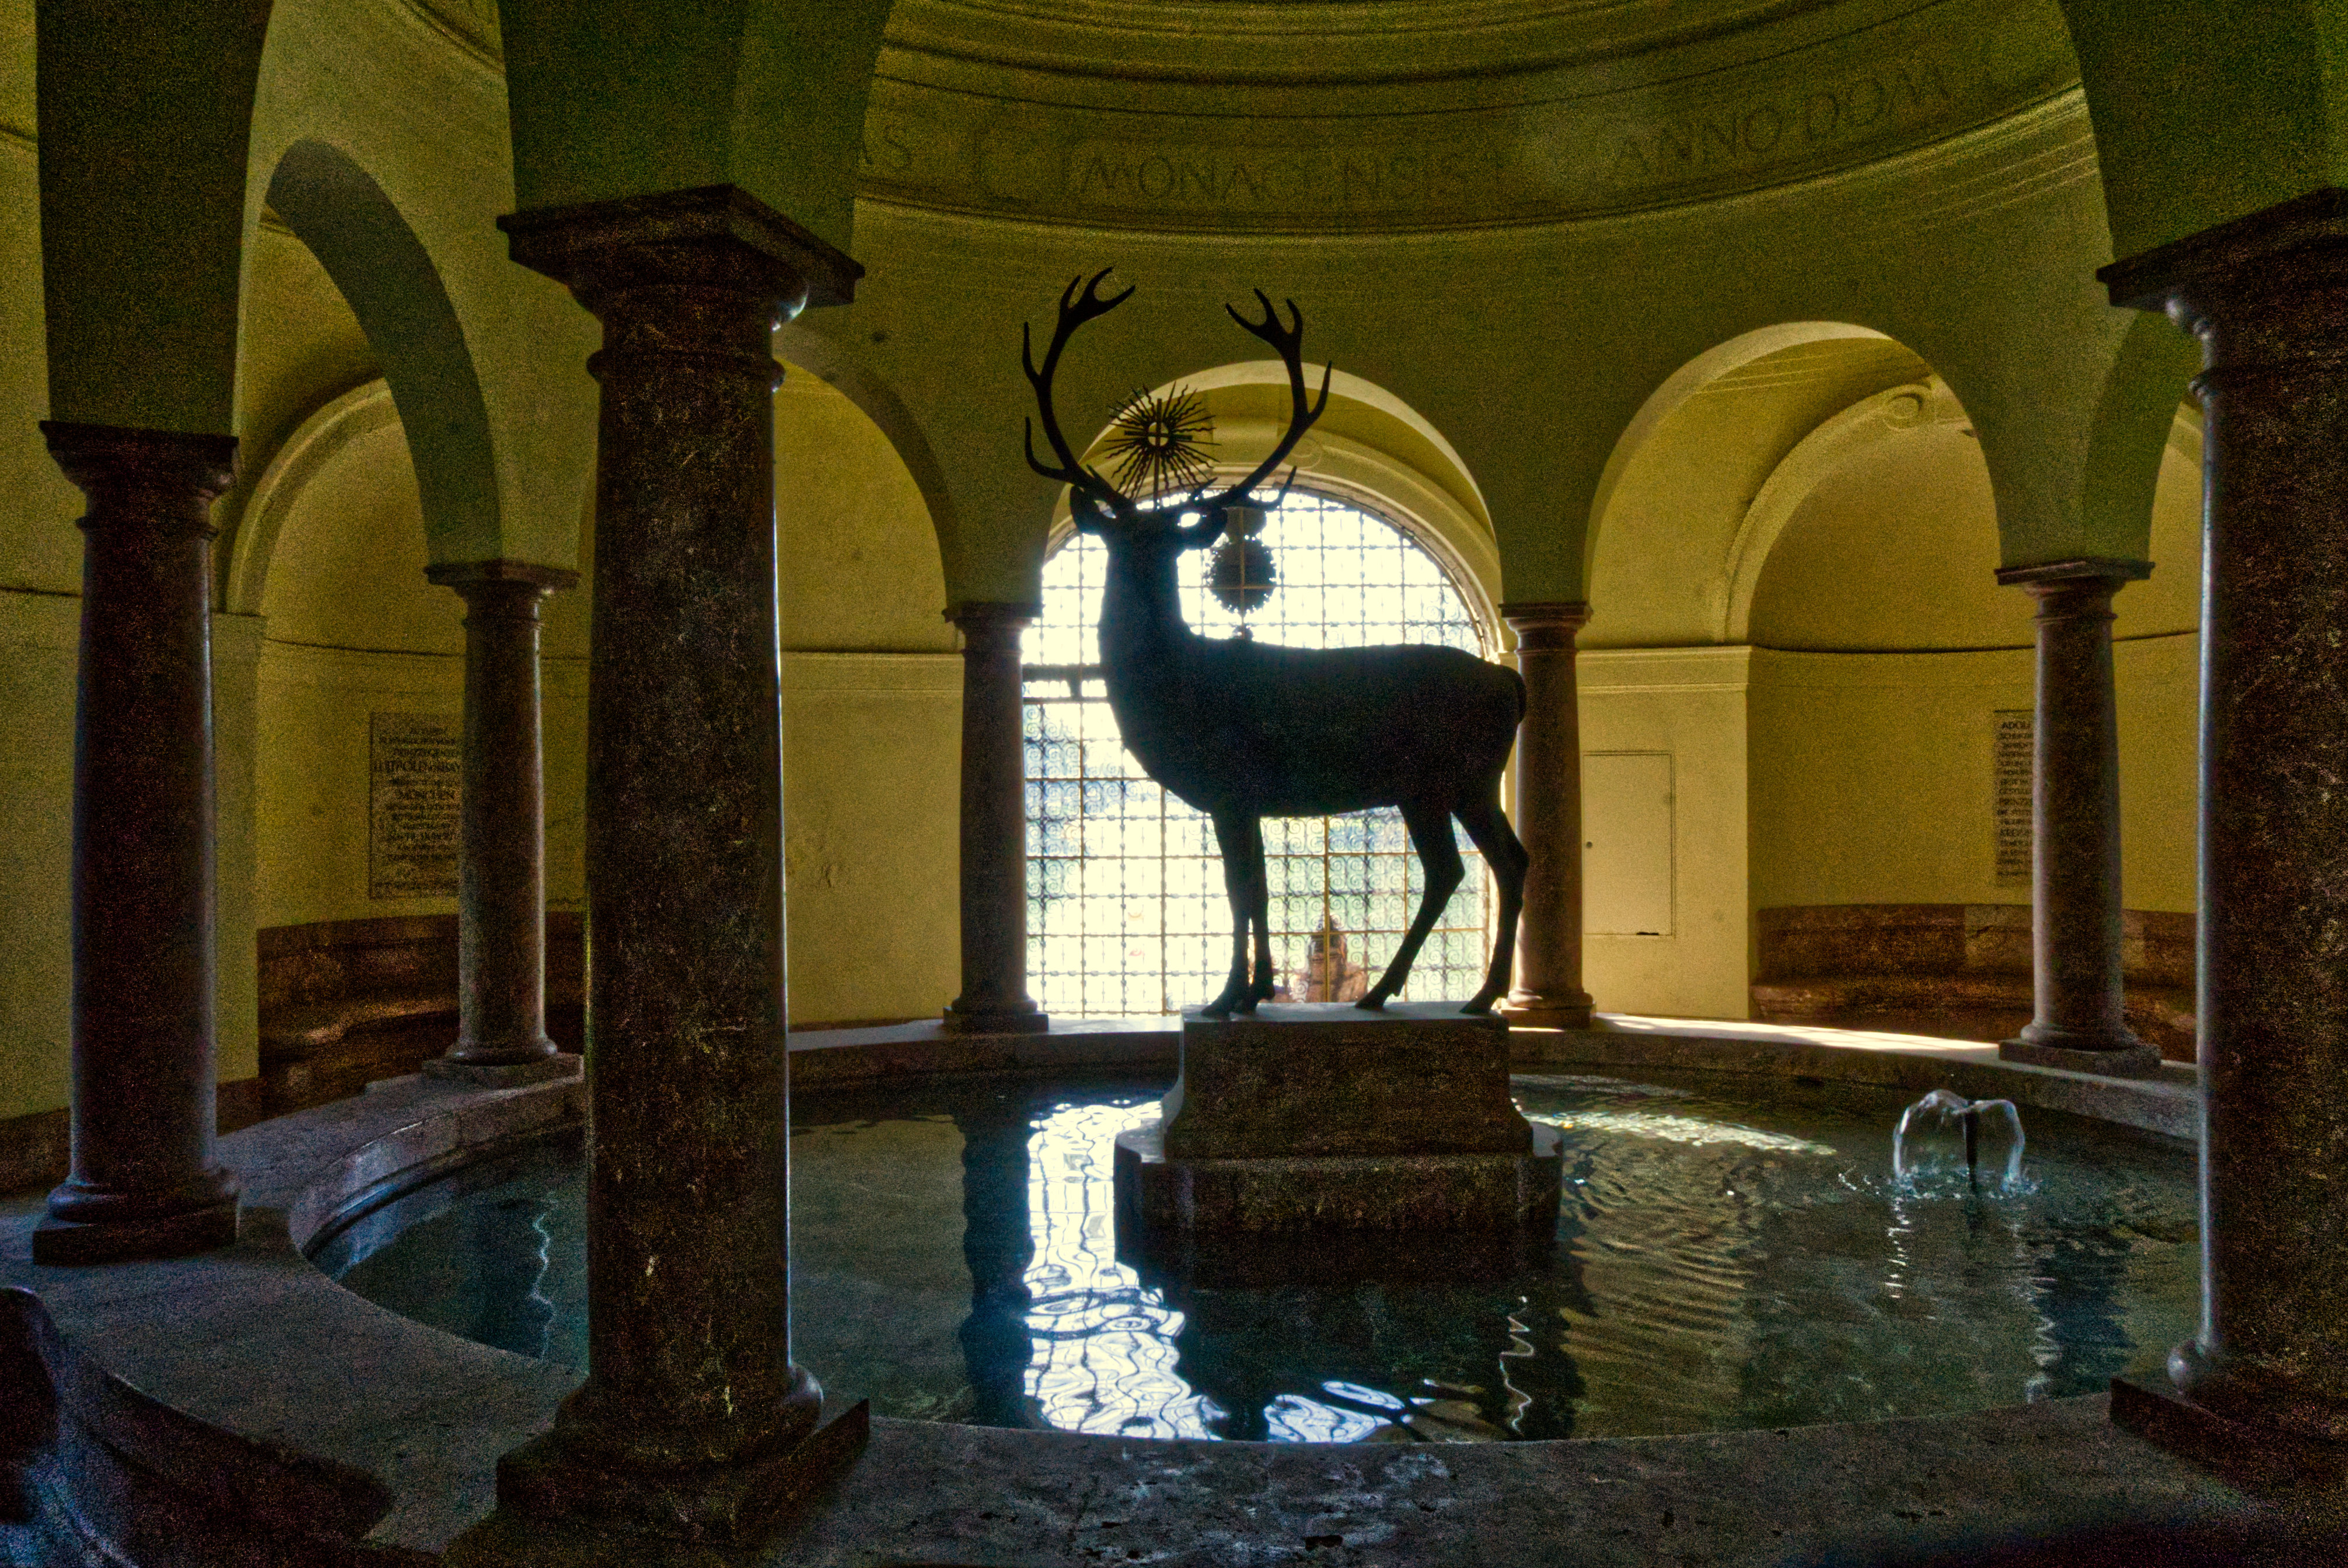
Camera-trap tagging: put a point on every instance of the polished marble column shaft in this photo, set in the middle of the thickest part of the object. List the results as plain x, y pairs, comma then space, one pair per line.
1549, 993
692, 1421
995, 998
2268, 297
145, 1033
502, 834
2079, 1020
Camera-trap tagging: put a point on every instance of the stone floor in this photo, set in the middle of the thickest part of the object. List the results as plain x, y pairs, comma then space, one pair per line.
285, 1386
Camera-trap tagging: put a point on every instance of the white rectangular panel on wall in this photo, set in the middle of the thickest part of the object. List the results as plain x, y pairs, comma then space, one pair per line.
1626, 852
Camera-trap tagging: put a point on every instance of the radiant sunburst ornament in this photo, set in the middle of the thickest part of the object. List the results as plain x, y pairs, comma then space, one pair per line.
1157, 441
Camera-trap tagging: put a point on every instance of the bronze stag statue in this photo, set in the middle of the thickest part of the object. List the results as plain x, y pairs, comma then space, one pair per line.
1243, 730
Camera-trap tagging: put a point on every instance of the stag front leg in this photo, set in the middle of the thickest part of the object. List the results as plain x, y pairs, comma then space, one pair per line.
1430, 834
1259, 911
1505, 854
1238, 837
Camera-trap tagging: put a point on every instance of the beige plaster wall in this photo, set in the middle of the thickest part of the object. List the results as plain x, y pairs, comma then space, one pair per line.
2158, 681
872, 801
1689, 704
354, 630
37, 632
859, 565
1896, 548
1872, 778
871, 705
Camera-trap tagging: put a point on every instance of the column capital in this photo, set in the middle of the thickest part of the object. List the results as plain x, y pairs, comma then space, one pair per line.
1545, 626
986, 623
715, 233
116, 464
1572, 613
465, 576
2107, 574
2312, 228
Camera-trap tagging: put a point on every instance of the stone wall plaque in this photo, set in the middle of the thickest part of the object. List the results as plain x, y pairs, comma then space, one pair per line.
415, 767
2010, 750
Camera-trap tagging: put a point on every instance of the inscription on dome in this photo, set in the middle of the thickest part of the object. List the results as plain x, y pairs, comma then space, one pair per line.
1534, 162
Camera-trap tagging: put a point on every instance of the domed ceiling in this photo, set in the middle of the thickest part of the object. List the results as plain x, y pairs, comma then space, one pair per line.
1256, 116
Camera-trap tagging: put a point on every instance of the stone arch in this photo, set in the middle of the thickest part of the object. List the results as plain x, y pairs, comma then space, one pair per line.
1683, 383
2134, 425
384, 274
1798, 474
822, 355
1713, 464
332, 427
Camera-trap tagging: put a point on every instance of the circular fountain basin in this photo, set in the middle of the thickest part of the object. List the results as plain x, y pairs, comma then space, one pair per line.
1729, 1253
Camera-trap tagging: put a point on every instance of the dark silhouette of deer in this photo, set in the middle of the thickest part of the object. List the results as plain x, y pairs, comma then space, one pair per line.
1243, 730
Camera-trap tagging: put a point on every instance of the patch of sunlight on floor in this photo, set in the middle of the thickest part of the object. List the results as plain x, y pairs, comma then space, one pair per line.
1808, 1034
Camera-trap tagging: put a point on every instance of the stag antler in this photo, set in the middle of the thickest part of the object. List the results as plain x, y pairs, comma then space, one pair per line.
1289, 342
1076, 308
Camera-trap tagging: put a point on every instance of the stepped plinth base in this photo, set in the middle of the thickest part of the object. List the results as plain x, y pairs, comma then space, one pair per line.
741, 1505
2254, 1458
1313, 1134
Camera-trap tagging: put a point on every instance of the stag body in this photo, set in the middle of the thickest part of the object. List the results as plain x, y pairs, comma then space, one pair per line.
1243, 730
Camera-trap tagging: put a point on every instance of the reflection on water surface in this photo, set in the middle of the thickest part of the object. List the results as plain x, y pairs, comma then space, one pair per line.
1719, 1262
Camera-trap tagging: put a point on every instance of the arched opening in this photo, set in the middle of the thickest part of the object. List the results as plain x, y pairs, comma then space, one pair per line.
1798, 656
1126, 910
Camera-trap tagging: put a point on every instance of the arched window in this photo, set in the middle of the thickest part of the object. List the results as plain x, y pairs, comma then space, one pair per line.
1126, 911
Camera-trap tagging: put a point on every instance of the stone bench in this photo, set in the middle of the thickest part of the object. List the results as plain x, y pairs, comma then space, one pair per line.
1956, 971
344, 1003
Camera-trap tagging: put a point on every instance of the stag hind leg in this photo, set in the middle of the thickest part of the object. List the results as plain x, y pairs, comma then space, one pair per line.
1241, 840
1260, 912
1430, 834
1488, 825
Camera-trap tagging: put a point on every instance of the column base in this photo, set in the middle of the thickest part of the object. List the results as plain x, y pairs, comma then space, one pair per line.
741, 1504
76, 1242
983, 1020
505, 1075
1564, 1010
2255, 1457
2133, 1059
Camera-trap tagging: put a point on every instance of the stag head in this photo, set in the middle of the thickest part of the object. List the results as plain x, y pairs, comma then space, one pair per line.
1099, 507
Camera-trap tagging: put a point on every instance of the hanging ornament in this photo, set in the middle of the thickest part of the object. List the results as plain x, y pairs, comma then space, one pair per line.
1240, 574
1157, 443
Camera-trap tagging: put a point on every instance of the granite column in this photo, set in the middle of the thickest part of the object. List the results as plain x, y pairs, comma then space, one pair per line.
2079, 1020
2268, 297
145, 1033
1548, 992
995, 998
501, 832
692, 1421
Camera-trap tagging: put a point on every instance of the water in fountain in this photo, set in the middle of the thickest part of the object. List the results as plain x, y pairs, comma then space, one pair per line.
1730, 1253
1945, 1108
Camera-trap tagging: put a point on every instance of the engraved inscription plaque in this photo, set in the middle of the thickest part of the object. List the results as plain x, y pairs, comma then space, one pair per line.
416, 763
2010, 749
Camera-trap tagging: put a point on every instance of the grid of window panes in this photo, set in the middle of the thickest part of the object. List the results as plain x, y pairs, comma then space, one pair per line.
1125, 910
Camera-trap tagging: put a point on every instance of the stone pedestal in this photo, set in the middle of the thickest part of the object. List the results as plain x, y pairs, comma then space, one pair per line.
2268, 297
501, 845
995, 998
144, 1035
692, 1421
1549, 993
1320, 1121
2080, 1016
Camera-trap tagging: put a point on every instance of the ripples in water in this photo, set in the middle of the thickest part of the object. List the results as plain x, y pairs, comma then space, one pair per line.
1719, 1262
